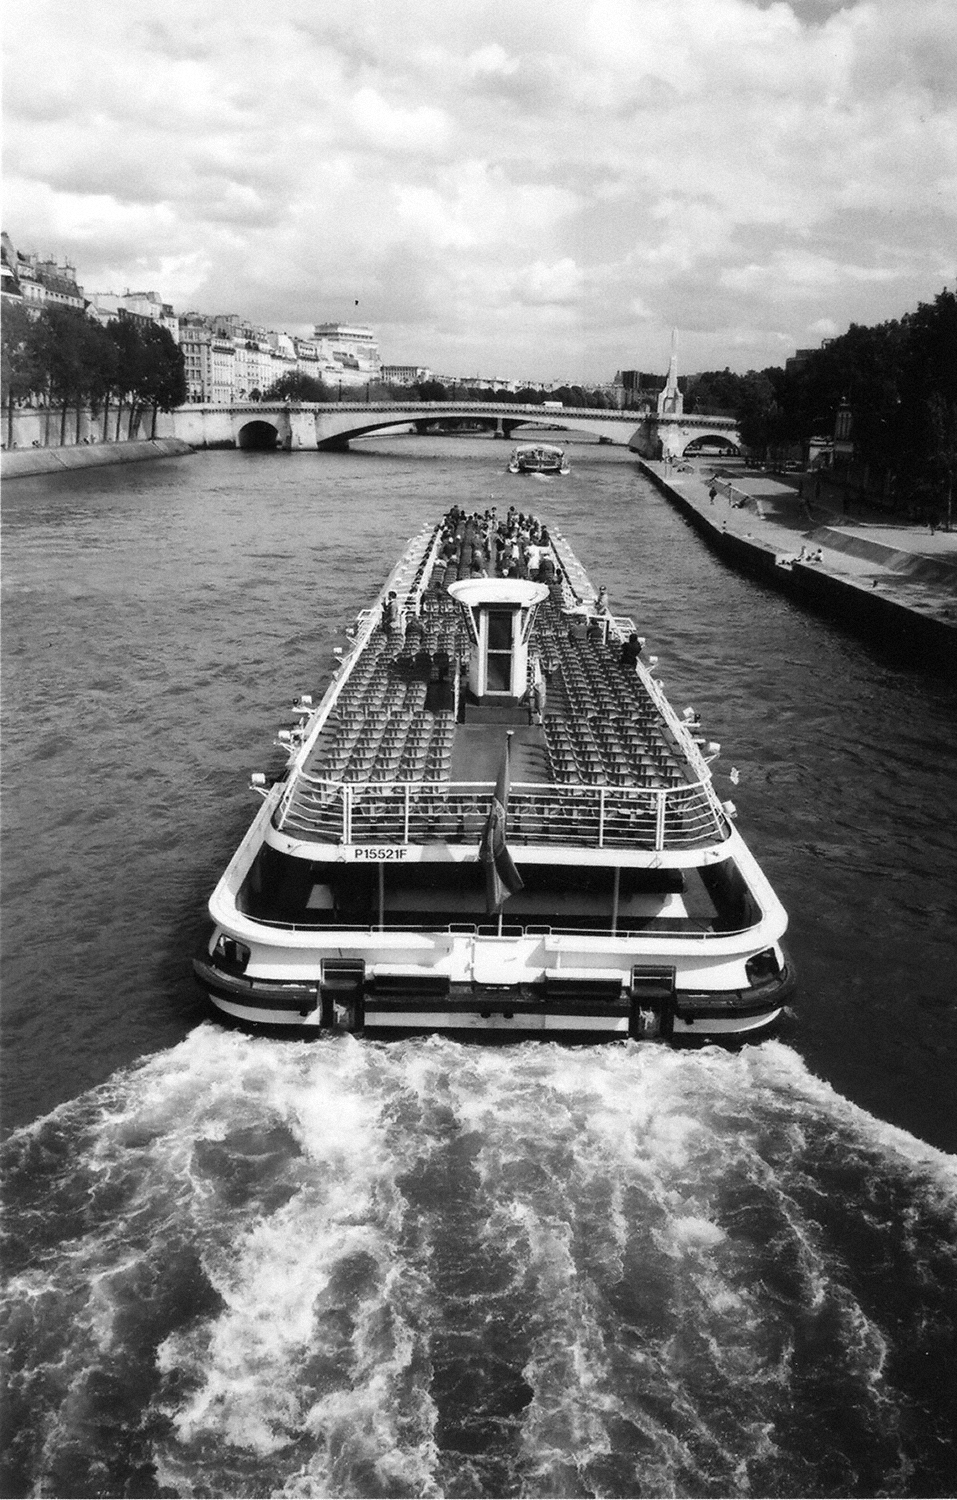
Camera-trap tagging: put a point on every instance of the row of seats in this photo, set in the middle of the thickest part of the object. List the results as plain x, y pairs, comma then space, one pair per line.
380, 745
602, 724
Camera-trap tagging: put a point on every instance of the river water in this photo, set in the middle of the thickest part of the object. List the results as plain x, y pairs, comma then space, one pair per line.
239, 1266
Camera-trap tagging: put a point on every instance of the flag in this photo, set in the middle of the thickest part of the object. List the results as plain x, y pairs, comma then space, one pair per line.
501, 877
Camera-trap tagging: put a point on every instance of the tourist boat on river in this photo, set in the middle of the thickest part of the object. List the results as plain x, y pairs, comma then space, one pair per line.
495, 822
538, 458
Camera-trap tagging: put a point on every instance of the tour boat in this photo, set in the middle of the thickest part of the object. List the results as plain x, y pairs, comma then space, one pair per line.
494, 822
538, 458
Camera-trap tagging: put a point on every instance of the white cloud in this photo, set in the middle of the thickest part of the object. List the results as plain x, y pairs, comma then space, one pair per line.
594, 170
397, 128
557, 283
491, 60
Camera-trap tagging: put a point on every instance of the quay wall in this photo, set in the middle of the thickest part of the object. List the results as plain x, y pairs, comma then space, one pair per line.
860, 604
20, 463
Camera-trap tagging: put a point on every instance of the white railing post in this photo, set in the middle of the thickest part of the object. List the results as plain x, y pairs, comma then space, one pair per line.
660, 819
405, 821
601, 817
347, 815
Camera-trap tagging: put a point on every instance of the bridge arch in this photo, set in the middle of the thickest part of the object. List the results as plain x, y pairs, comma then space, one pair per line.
258, 434
712, 443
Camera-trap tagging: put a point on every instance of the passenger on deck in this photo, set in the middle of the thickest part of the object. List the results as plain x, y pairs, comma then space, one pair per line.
536, 692
631, 651
440, 695
603, 599
414, 633
392, 613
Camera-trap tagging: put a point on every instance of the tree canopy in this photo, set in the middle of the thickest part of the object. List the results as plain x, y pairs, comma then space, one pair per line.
899, 382
63, 358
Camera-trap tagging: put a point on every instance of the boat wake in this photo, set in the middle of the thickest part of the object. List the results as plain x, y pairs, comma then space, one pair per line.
251, 1267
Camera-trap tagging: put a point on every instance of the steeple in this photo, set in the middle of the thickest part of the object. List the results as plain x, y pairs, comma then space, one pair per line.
671, 403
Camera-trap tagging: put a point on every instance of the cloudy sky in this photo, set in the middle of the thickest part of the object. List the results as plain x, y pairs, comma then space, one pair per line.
537, 188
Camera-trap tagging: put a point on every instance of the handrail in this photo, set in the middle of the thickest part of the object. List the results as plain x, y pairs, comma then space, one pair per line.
540, 813
528, 929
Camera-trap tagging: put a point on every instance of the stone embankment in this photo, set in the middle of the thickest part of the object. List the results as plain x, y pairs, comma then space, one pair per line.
895, 584
19, 463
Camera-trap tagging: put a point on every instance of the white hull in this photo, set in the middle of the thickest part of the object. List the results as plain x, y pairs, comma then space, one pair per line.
642, 914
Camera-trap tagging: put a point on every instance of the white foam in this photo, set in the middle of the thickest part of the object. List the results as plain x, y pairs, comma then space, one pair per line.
649, 1219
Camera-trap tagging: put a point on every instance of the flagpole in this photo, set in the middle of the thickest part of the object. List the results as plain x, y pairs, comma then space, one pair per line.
508, 761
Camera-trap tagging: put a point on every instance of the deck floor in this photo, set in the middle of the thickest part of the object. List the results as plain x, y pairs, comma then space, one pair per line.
477, 753
600, 724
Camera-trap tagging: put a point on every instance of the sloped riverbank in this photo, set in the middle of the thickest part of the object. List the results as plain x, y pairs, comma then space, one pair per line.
20, 463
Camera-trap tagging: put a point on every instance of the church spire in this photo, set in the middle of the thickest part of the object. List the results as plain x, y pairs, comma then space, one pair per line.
671, 403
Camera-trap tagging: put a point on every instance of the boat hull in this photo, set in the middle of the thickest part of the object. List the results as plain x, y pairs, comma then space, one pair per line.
362, 898
592, 1010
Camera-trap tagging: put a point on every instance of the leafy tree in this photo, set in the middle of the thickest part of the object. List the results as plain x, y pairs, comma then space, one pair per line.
296, 386
758, 410
62, 340
717, 392
21, 373
928, 403
163, 383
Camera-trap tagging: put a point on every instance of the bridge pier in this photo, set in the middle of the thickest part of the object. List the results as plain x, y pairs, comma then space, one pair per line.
300, 431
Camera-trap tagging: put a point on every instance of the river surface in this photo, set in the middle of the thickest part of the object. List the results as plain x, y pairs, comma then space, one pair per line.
243, 1267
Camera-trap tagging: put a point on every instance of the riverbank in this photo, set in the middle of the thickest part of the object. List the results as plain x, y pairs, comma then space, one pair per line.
20, 463
895, 584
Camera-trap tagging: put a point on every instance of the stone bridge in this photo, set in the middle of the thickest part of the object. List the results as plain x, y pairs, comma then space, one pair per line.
317, 425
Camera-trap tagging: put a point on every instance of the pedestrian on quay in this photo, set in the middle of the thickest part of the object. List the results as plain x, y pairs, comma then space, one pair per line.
712, 494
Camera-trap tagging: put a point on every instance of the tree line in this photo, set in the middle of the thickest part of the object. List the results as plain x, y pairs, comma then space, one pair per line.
896, 380
296, 386
62, 359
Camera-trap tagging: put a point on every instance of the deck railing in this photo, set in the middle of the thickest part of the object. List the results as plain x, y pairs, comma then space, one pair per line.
601, 817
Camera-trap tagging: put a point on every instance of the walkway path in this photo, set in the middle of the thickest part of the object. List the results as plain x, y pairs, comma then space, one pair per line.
894, 582
908, 562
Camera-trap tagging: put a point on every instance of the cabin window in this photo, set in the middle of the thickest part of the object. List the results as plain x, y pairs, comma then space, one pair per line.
499, 654
735, 906
435, 895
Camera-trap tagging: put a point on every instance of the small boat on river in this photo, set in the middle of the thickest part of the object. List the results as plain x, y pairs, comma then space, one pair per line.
495, 822
538, 458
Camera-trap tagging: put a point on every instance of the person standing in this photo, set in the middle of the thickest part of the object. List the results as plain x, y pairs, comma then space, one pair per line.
391, 613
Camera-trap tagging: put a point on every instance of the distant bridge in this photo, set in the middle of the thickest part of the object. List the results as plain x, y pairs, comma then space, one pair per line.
330, 425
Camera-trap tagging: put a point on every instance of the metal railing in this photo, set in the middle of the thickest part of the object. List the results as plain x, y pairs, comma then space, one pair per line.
568, 815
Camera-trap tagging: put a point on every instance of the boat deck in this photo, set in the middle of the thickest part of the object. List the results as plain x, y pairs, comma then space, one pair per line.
399, 756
